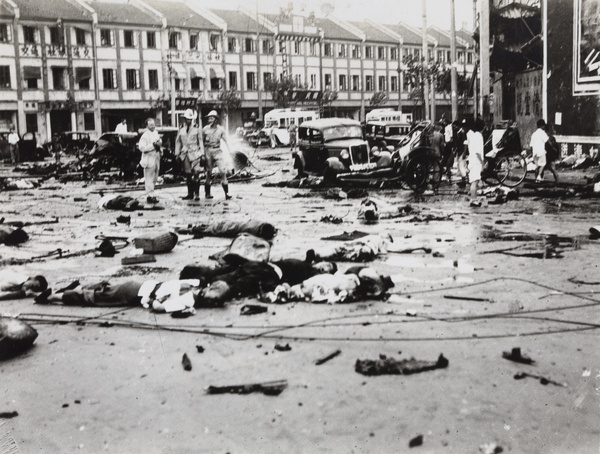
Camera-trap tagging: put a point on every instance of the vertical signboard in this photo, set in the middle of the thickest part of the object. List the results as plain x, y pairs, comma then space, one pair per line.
528, 93
586, 52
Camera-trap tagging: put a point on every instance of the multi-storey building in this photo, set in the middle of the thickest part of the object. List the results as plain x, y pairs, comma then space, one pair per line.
85, 64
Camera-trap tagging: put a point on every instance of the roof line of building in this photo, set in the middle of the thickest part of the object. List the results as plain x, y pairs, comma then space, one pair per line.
387, 31
260, 18
208, 15
349, 27
158, 14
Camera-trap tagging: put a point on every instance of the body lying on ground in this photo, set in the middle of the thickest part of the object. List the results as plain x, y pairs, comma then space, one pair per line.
15, 285
355, 284
230, 229
363, 249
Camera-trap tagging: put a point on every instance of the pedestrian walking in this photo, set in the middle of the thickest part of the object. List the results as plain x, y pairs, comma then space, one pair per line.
437, 140
215, 156
475, 145
189, 151
13, 143
537, 146
552, 153
150, 145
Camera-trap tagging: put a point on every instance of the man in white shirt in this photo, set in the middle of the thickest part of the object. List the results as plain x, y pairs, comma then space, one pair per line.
122, 127
13, 143
150, 145
537, 145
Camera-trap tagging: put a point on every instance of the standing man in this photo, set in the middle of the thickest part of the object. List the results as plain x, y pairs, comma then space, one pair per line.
292, 129
213, 134
189, 151
13, 143
121, 129
150, 146
538, 148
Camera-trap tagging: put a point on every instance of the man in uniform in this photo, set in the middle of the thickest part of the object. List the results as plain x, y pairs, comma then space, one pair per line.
213, 134
189, 150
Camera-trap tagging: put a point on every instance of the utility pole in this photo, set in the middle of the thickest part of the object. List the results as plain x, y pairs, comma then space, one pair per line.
477, 63
484, 47
425, 59
453, 76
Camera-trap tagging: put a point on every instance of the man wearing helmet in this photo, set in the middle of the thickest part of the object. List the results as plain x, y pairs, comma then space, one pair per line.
213, 134
189, 150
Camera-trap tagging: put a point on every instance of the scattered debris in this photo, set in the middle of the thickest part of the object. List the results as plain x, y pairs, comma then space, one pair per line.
283, 348
327, 358
417, 441
185, 361
543, 380
580, 282
16, 336
467, 298
252, 309
124, 219
272, 388
331, 219
199, 348
156, 243
385, 365
595, 232
347, 236
134, 259
515, 355
8, 414
490, 448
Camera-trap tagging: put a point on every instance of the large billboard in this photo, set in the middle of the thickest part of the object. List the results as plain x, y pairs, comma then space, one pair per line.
586, 53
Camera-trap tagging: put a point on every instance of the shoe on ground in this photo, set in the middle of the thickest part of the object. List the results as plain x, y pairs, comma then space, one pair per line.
187, 197
475, 204
196, 197
209, 197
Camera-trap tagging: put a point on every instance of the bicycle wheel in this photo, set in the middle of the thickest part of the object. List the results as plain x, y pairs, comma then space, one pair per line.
511, 170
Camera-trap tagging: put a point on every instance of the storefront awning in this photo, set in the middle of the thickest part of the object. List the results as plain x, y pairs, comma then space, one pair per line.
180, 72
216, 72
32, 72
197, 71
83, 74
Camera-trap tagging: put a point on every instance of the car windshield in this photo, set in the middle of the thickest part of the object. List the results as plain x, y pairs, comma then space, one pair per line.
342, 132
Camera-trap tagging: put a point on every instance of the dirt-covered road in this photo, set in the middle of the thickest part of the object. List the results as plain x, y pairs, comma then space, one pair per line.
520, 274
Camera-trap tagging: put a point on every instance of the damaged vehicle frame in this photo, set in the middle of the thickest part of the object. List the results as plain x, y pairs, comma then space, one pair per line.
334, 148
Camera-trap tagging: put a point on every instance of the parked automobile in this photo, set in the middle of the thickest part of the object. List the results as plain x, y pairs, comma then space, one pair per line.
75, 142
384, 134
334, 148
30, 149
331, 145
113, 150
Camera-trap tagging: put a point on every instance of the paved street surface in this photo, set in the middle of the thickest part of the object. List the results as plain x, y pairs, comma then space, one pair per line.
111, 380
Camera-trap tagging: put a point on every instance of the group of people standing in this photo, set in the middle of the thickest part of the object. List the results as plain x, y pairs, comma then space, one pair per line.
195, 149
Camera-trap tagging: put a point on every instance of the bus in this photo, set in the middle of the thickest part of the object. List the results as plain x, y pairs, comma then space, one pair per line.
277, 122
389, 115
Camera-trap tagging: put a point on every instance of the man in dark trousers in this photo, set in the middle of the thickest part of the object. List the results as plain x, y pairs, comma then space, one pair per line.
189, 150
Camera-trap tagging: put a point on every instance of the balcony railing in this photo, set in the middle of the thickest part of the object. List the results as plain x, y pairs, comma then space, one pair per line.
81, 52
213, 56
30, 50
56, 50
174, 55
195, 56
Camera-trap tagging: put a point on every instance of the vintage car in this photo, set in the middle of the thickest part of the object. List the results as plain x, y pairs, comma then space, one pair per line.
114, 150
30, 149
385, 134
330, 146
75, 142
334, 148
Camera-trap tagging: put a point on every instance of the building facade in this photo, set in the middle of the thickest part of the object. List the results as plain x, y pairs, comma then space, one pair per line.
83, 65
